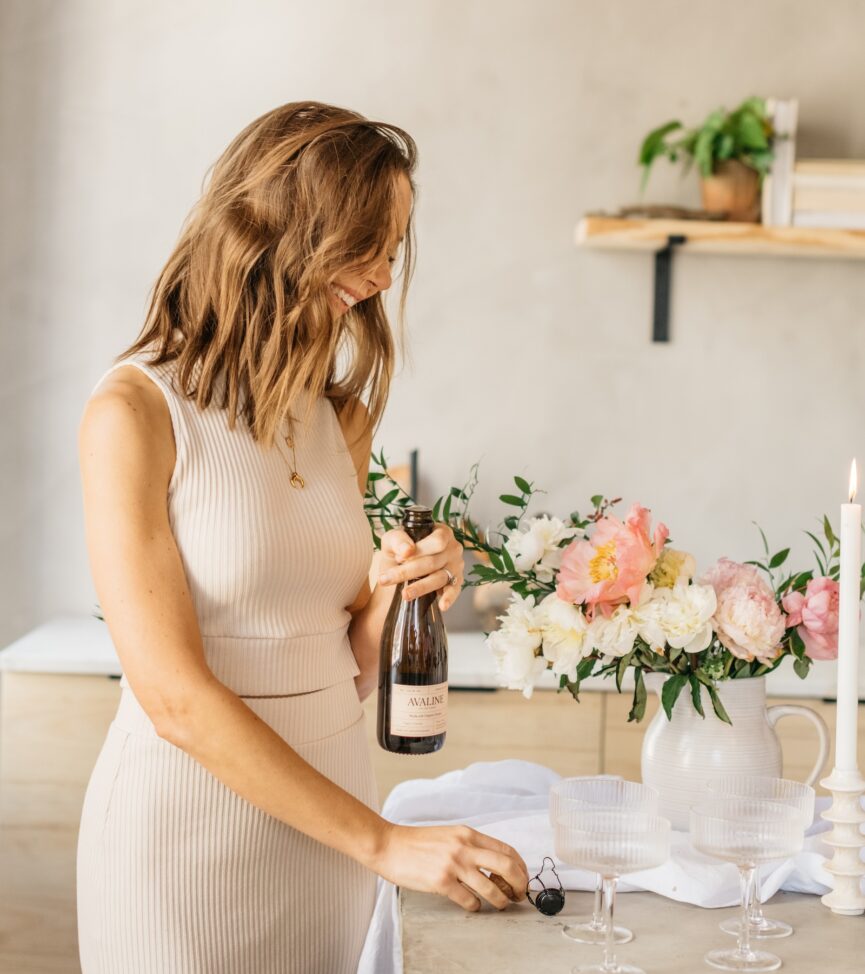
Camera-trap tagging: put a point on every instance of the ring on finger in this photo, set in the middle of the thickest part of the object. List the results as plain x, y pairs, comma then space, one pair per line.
452, 579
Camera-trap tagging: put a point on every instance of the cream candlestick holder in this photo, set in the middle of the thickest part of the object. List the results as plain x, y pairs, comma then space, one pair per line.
847, 840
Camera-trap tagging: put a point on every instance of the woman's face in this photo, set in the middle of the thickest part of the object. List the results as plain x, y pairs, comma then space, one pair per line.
360, 283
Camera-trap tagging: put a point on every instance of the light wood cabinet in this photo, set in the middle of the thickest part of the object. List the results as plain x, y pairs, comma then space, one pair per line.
491, 725
51, 729
53, 726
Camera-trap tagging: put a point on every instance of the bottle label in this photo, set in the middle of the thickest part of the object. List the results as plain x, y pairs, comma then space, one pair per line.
418, 711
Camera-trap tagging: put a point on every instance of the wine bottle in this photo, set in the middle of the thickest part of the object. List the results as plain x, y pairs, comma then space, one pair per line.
413, 669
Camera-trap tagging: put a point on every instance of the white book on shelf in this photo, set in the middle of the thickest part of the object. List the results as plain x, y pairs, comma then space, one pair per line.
829, 220
818, 170
828, 199
835, 184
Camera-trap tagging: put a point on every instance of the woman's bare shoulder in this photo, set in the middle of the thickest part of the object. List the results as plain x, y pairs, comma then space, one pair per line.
128, 417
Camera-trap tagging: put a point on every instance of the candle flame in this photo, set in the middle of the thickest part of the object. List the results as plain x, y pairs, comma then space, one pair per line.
854, 482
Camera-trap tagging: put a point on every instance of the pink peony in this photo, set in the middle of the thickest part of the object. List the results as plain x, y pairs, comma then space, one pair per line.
611, 568
816, 615
747, 620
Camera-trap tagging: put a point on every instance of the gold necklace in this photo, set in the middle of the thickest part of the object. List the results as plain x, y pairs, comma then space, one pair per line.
296, 480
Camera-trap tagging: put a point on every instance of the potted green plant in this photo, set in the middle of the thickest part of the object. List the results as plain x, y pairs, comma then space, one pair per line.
732, 150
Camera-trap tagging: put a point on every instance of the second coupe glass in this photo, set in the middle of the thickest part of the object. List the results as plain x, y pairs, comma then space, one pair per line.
746, 832
780, 791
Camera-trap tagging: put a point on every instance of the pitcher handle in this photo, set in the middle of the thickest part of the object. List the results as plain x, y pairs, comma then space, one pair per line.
774, 714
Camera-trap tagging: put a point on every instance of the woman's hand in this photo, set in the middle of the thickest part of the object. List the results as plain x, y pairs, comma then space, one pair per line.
423, 563
448, 859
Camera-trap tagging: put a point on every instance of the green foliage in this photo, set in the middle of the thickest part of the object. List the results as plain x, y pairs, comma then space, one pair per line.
696, 694
670, 693
638, 710
745, 134
384, 511
621, 669
717, 706
777, 560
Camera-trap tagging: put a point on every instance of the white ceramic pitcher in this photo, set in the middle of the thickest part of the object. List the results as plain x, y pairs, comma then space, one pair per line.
681, 755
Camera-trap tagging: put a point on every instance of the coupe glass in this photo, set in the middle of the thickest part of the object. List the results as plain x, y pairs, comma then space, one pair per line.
746, 832
612, 843
783, 792
599, 791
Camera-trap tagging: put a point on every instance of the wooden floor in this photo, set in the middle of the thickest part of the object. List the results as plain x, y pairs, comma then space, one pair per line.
52, 728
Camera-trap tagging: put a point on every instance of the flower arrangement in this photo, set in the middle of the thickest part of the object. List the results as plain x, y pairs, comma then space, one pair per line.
599, 595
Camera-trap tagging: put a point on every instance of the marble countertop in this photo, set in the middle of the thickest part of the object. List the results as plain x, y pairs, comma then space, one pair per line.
670, 937
82, 644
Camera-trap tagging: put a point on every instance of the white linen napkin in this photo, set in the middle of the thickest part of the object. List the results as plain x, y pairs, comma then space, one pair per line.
509, 800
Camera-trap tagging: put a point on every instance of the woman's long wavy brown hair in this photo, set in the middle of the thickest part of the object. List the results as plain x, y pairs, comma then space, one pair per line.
303, 193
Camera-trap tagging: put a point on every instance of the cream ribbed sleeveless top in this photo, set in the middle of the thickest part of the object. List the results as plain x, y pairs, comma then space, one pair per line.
270, 568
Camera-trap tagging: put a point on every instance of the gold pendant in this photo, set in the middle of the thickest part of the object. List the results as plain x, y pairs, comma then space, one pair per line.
297, 481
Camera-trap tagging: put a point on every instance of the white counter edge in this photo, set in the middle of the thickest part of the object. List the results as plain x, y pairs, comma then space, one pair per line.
82, 645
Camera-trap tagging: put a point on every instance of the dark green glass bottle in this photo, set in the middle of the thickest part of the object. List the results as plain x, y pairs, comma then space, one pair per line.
413, 668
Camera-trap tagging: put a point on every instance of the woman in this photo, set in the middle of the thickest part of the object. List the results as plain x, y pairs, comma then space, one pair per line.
231, 824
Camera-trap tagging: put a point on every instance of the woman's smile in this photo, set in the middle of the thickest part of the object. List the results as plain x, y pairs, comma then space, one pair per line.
347, 299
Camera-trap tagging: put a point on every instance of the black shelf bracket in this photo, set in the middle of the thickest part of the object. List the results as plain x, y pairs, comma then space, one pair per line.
663, 269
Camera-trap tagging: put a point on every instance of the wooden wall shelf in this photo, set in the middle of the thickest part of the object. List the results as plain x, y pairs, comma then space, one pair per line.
720, 237
661, 237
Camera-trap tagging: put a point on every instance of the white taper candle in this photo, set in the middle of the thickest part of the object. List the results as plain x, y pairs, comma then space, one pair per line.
848, 632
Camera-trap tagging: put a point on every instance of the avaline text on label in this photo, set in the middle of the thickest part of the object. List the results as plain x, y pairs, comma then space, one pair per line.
418, 711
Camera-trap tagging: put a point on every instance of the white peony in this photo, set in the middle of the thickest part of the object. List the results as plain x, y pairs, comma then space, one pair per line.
516, 645
536, 546
565, 635
680, 616
615, 636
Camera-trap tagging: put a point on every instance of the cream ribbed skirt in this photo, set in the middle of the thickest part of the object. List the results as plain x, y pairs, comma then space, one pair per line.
177, 874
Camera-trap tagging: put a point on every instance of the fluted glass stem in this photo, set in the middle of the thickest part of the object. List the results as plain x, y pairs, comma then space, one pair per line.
755, 913
609, 887
598, 908
748, 886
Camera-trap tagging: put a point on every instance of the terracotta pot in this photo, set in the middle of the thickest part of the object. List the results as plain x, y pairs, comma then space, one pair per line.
681, 755
733, 191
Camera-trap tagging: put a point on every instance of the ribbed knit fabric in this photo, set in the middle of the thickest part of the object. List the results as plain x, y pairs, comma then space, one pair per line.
270, 567
177, 874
